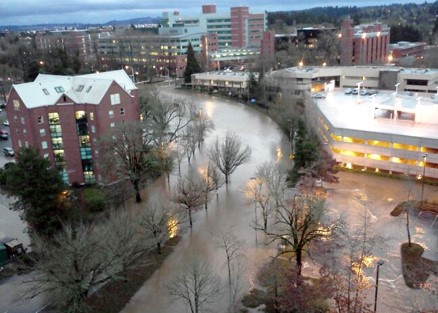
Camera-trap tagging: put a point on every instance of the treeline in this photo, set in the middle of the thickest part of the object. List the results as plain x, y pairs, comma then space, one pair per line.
331, 15
408, 22
405, 33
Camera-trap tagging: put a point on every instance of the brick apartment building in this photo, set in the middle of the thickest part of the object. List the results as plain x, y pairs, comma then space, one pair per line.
75, 42
364, 44
63, 116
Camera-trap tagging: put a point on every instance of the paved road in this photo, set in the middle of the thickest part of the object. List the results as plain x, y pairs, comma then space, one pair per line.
353, 196
232, 209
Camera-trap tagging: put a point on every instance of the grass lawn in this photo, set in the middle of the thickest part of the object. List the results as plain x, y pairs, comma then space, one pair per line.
113, 297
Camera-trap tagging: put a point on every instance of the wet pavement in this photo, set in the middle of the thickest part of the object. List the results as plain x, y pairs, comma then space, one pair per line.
231, 210
355, 194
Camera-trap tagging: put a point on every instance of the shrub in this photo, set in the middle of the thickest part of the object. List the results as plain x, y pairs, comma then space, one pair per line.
94, 199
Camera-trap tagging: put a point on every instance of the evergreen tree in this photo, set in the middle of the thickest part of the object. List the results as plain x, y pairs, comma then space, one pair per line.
192, 66
39, 191
252, 85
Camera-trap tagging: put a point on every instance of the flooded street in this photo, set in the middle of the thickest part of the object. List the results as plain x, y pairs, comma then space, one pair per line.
231, 210
353, 196
357, 195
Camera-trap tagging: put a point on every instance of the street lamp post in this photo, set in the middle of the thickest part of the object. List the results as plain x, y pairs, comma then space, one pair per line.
358, 91
254, 180
396, 88
422, 178
379, 263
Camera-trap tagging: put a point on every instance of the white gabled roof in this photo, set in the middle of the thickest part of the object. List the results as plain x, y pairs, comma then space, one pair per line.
47, 89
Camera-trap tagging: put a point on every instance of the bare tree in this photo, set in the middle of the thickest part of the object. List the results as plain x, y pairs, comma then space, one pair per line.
211, 180
349, 279
189, 142
299, 224
229, 154
189, 194
232, 248
164, 118
196, 285
257, 192
124, 154
274, 179
79, 260
179, 151
166, 157
202, 125
160, 221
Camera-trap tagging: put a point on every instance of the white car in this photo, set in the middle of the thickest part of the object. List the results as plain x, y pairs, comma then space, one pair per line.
6, 123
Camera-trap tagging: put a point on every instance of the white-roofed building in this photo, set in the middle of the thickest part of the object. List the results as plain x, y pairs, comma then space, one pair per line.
63, 116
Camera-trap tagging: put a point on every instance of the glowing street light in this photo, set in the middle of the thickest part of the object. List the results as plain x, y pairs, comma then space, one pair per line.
132, 72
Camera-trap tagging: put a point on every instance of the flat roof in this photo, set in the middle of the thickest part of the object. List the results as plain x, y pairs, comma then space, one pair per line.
344, 111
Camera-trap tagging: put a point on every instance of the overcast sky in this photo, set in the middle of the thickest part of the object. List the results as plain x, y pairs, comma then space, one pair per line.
24, 12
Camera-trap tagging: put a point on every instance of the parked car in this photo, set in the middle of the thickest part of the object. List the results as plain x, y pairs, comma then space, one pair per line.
4, 135
348, 91
6, 123
354, 91
8, 151
318, 95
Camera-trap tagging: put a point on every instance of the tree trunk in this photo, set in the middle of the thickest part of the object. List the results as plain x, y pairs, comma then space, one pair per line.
159, 247
407, 227
137, 192
226, 179
298, 258
190, 217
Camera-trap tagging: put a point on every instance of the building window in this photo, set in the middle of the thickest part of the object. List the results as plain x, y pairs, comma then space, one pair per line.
111, 114
115, 99
19, 143
59, 89
46, 92
93, 128
46, 155
16, 104
15, 118
122, 111
80, 116
79, 88
22, 120
42, 132
53, 118
91, 116
44, 144
25, 132
26, 144
40, 119
89, 88
17, 131
112, 125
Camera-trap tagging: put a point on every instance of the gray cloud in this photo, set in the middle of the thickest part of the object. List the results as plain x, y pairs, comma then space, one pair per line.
99, 11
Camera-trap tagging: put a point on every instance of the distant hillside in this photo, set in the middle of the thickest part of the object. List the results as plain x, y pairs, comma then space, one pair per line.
58, 26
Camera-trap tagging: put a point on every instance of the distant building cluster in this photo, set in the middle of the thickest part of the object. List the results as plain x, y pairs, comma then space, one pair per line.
237, 35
